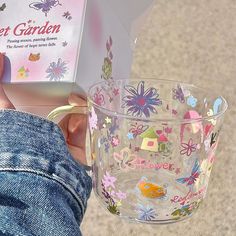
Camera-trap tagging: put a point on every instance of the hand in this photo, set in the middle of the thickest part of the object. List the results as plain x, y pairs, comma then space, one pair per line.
74, 127
5, 103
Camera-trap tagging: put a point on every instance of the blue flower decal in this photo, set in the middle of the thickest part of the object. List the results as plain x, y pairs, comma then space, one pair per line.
146, 213
56, 70
192, 101
140, 101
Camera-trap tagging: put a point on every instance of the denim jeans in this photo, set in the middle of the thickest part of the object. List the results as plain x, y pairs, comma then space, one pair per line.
43, 191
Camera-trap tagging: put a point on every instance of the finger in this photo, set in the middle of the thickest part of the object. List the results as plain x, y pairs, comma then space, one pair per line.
5, 103
77, 129
74, 128
78, 123
76, 100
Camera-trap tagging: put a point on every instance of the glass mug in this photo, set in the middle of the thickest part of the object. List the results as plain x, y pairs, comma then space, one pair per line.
153, 145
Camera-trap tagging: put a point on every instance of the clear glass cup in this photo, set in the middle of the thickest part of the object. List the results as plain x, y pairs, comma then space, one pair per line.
153, 145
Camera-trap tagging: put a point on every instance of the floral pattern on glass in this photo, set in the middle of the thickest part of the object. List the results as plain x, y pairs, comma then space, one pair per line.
93, 120
192, 101
146, 213
186, 210
178, 94
188, 148
113, 196
141, 101
98, 97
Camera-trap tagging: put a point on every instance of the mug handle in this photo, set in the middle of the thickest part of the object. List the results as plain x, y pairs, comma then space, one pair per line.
69, 109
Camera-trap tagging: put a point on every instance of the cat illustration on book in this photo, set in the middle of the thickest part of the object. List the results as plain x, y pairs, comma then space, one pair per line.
34, 57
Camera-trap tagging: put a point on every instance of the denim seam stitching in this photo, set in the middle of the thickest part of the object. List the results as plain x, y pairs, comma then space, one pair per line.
53, 177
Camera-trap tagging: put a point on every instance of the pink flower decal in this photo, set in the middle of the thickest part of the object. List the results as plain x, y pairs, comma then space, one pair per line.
115, 141
168, 130
188, 148
108, 181
93, 120
98, 97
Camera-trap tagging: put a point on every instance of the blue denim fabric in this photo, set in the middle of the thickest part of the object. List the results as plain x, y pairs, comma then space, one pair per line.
43, 191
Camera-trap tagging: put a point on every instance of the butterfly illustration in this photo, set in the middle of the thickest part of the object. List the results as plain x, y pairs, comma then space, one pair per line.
3, 7
194, 175
137, 129
124, 159
178, 94
45, 5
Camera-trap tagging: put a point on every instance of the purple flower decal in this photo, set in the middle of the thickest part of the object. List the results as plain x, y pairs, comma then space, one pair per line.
108, 180
112, 205
121, 195
178, 94
56, 70
140, 101
188, 148
146, 213
113, 193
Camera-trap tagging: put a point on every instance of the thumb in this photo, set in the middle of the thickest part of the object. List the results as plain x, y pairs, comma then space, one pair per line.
76, 100
78, 122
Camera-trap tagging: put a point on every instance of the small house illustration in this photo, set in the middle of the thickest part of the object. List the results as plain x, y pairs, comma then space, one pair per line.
22, 73
150, 140
153, 142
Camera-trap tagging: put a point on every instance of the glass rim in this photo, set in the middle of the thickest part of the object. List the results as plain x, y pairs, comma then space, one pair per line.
145, 119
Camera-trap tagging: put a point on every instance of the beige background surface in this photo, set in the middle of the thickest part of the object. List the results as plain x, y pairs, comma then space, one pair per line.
192, 41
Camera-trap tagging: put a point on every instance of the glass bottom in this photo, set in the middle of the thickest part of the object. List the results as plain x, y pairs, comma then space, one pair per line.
153, 197
130, 219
